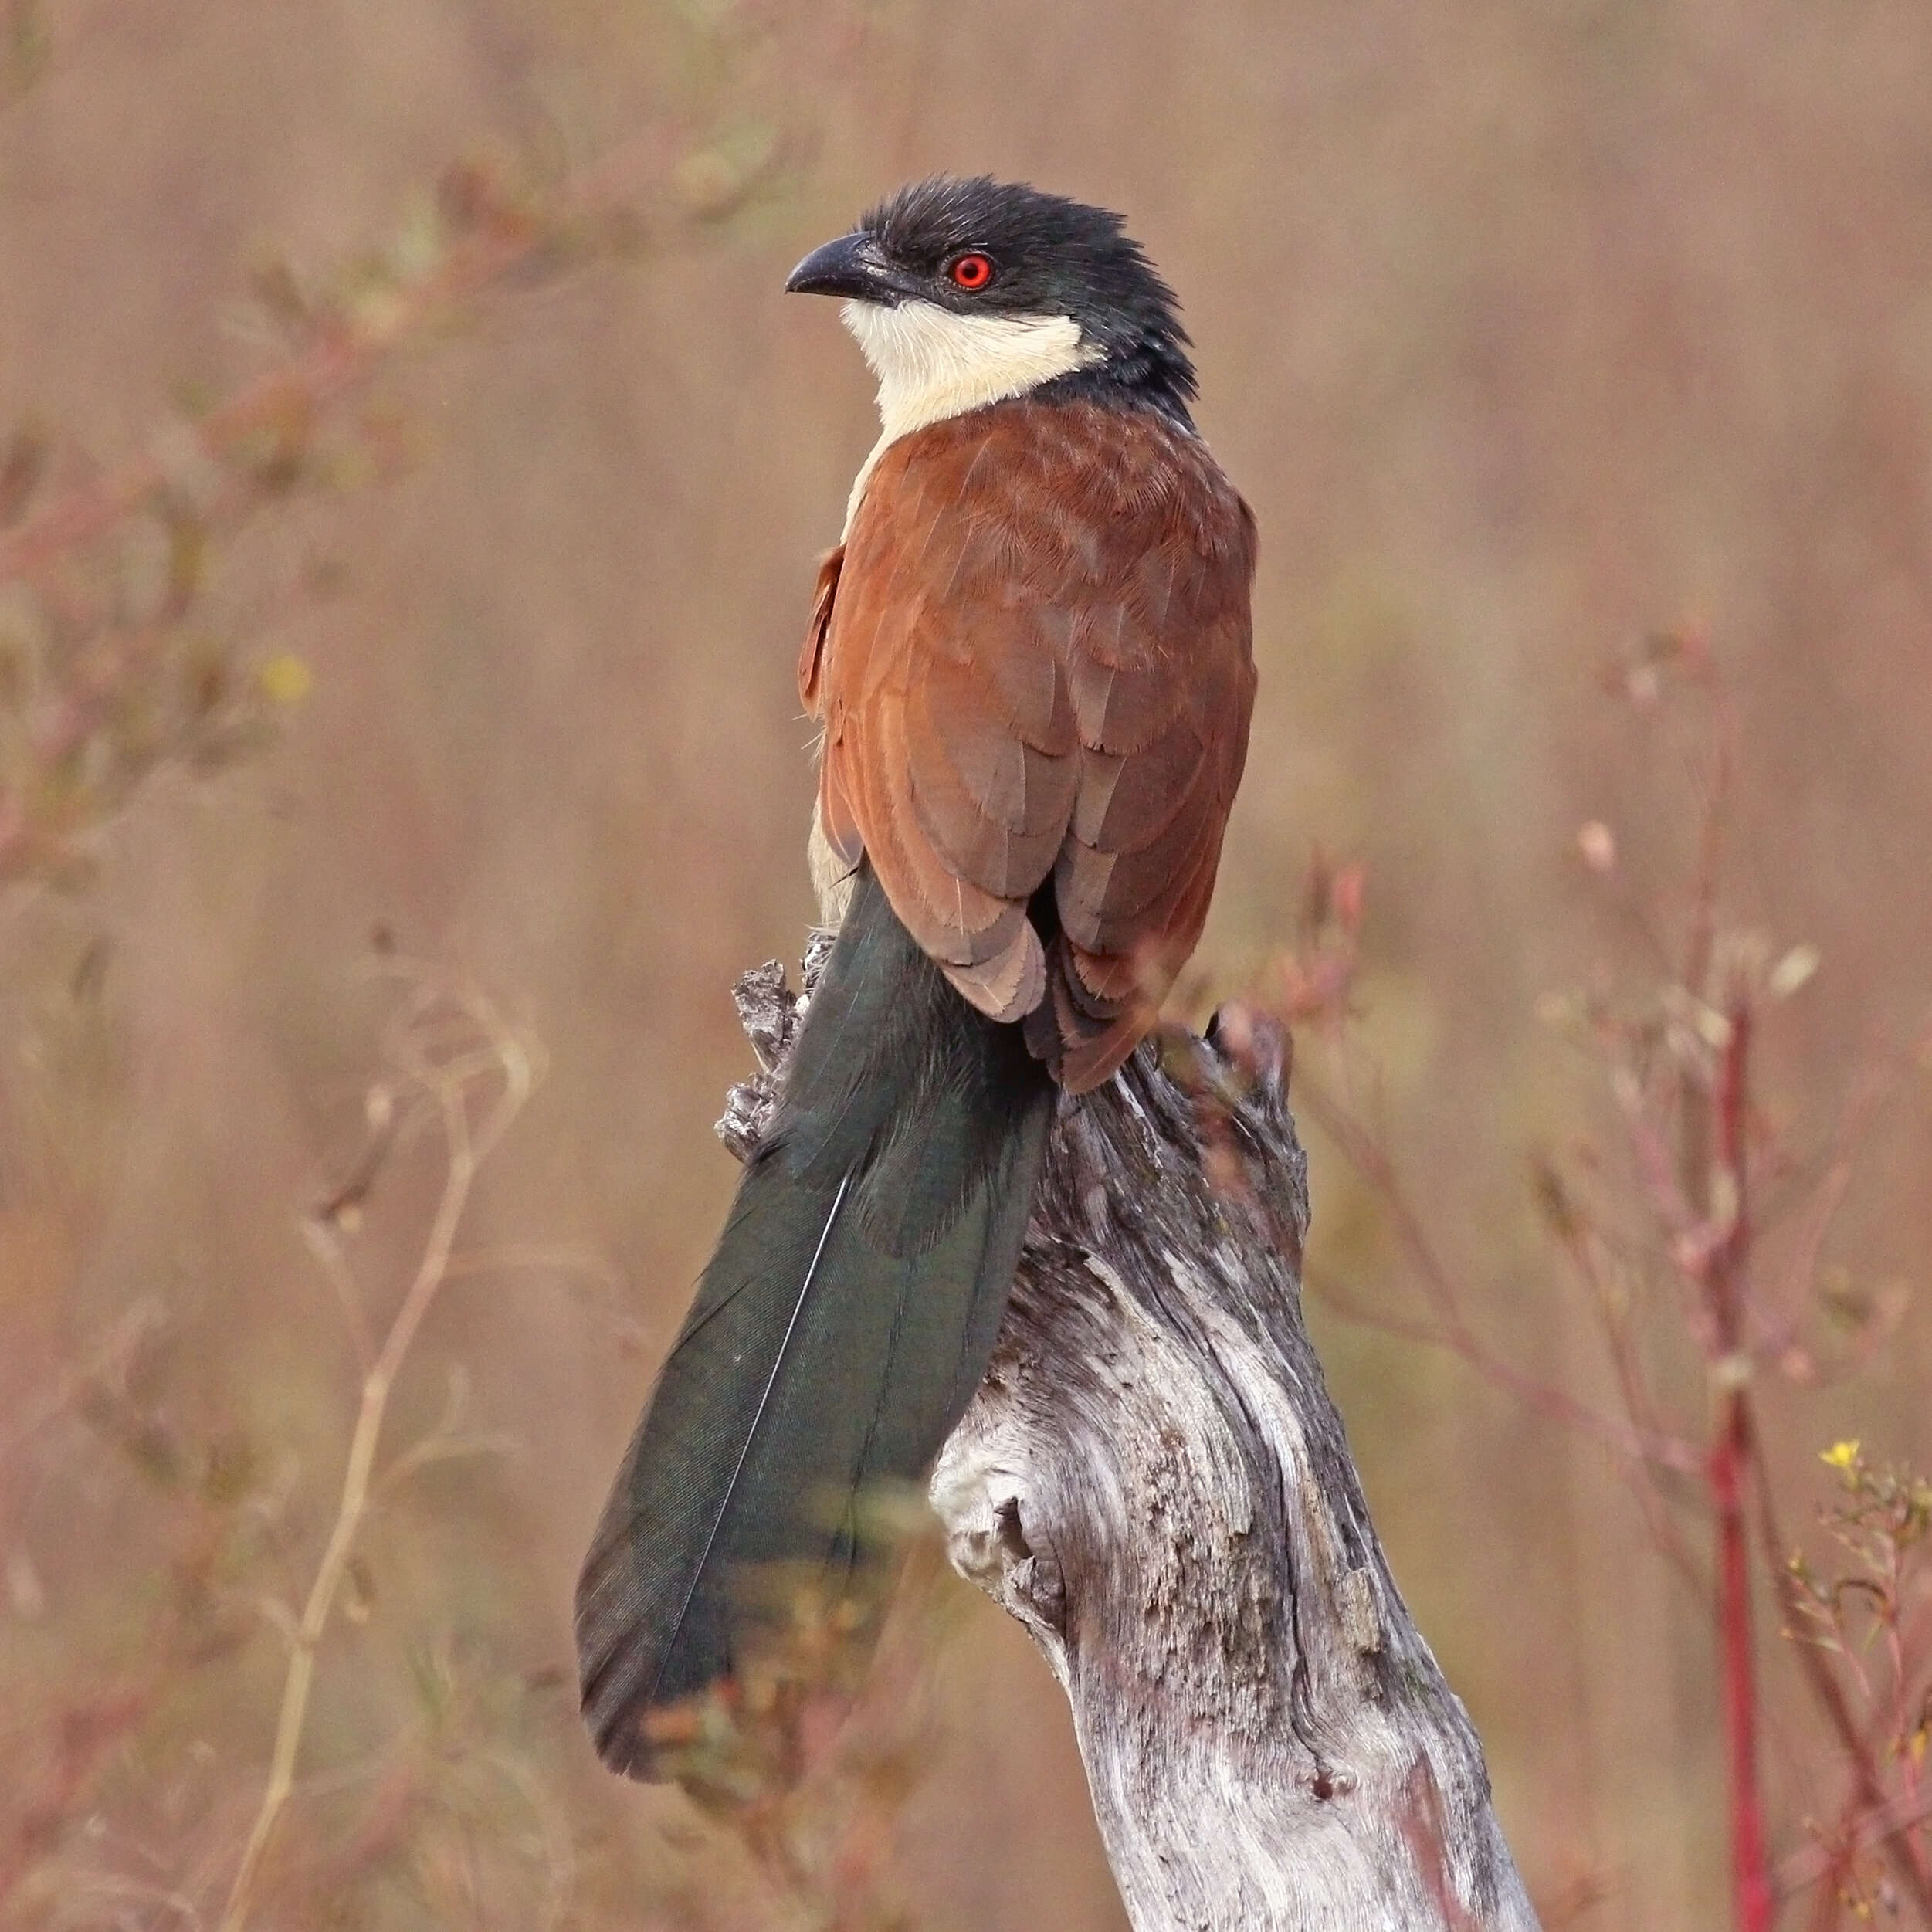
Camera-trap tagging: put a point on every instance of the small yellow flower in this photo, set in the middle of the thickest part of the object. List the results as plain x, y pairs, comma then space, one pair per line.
285, 679
1840, 1456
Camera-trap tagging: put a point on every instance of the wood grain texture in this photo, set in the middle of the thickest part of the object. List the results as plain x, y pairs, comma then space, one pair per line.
1153, 1481
1031, 659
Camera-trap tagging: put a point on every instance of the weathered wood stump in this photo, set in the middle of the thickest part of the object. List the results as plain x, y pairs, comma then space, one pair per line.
1153, 1481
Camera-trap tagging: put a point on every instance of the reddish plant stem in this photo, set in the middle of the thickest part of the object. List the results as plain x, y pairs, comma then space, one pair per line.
1730, 1456
1730, 1462
1372, 1161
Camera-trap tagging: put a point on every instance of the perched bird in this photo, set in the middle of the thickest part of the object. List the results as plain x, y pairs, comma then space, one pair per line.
1030, 657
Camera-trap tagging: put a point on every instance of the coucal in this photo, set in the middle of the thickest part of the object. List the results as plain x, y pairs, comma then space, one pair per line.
1030, 656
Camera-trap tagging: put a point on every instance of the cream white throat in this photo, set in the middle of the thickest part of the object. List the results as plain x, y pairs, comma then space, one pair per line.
932, 364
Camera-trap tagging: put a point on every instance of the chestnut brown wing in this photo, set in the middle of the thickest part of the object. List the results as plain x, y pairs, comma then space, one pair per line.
1032, 662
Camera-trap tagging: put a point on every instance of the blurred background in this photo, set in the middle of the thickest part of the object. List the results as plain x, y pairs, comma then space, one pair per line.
1531, 331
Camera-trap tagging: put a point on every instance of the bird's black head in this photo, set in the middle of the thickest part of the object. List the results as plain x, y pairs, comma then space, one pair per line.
983, 248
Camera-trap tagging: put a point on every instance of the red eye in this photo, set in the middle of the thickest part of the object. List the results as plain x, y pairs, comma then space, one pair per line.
970, 272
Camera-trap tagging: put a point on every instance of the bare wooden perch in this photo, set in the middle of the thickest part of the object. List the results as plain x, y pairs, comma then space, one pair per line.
1153, 1481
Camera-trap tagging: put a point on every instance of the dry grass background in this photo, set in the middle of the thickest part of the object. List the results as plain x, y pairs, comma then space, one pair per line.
1526, 328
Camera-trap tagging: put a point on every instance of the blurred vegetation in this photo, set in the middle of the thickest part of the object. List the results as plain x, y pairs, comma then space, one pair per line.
409, 482
1692, 1232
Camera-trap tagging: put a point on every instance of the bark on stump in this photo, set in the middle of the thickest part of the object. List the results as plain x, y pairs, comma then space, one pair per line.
1153, 1481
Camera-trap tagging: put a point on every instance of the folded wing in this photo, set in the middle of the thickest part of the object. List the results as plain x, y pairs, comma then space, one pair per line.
1032, 662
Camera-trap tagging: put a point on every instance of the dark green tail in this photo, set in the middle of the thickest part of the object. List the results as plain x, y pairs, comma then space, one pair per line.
839, 1333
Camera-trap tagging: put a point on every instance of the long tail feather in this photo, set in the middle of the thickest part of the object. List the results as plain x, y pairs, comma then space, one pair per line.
838, 1332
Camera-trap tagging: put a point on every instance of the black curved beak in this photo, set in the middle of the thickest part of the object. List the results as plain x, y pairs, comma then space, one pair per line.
851, 266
